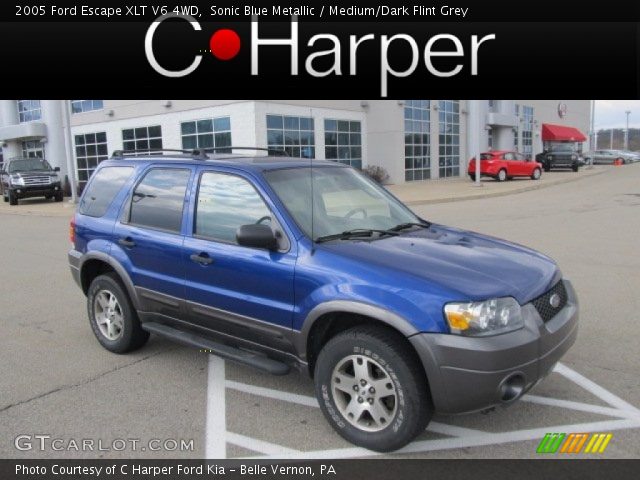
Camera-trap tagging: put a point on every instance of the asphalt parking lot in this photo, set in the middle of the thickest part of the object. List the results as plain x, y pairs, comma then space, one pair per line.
57, 381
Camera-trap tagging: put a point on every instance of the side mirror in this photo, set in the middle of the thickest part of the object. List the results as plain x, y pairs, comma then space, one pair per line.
56, 169
257, 236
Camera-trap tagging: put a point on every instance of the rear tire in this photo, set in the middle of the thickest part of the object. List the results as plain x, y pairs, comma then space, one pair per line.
12, 198
113, 319
546, 167
536, 174
502, 175
372, 388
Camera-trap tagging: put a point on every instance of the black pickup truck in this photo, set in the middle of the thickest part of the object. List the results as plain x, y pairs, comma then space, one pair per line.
29, 177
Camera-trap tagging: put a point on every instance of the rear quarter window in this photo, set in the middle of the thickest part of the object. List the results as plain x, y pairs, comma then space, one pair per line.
102, 189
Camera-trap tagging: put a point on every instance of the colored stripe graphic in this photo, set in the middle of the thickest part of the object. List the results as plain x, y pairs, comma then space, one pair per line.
550, 443
573, 443
598, 443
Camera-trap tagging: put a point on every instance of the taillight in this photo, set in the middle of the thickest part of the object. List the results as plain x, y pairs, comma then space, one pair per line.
72, 231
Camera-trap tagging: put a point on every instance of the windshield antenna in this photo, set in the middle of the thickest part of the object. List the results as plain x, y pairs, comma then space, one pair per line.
311, 155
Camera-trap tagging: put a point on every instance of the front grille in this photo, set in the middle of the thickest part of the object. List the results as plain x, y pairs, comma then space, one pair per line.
36, 180
543, 304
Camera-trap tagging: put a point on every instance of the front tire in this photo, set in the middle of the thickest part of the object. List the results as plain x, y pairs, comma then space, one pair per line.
372, 389
58, 197
536, 174
13, 200
113, 319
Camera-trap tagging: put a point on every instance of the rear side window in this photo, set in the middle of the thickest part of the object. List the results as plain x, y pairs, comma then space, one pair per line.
102, 189
158, 200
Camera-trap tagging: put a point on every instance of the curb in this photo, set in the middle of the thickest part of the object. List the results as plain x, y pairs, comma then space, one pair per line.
535, 186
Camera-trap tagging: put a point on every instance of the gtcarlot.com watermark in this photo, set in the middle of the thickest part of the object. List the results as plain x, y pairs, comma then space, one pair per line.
44, 443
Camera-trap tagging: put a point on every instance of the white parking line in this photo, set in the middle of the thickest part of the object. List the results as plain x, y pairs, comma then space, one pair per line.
260, 445
215, 435
470, 441
627, 415
583, 407
594, 388
274, 394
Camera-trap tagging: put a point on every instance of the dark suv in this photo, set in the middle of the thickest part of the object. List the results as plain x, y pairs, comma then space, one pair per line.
560, 156
277, 262
29, 177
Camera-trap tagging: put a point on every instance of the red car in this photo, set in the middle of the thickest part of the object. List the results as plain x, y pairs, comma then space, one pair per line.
503, 165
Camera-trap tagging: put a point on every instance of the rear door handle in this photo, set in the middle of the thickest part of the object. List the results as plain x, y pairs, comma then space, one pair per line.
202, 258
127, 242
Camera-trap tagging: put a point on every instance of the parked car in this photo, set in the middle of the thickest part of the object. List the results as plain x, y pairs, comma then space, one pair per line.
395, 318
561, 155
29, 177
609, 157
503, 165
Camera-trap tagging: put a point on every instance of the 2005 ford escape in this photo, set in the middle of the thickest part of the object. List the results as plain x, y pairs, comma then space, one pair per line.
277, 262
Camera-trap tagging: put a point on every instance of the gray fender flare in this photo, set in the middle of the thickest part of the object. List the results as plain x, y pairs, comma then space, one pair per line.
359, 308
119, 269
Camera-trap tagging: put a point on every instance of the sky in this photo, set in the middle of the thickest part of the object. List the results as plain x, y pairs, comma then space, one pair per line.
610, 113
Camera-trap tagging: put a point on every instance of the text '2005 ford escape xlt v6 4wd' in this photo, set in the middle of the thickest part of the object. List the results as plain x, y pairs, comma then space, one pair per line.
277, 262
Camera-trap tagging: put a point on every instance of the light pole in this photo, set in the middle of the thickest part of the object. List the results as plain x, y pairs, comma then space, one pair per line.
626, 132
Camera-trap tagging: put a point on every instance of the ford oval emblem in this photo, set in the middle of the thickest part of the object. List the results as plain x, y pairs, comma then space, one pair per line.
554, 300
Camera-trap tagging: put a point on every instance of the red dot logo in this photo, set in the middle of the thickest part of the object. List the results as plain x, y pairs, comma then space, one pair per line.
224, 44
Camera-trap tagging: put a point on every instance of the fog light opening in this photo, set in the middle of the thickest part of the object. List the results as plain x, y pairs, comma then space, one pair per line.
512, 387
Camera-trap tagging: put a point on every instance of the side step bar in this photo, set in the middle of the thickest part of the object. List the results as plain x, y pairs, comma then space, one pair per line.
228, 353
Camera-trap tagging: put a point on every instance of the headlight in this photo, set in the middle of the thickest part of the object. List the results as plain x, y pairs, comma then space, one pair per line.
54, 178
498, 315
574, 157
17, 180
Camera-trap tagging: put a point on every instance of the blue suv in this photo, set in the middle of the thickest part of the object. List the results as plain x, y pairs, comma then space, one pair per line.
277, 262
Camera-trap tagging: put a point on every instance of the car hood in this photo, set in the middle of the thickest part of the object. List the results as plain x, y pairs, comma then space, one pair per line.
471, 265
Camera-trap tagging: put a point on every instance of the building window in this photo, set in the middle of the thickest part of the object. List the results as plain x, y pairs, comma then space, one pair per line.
343, 142
32, 149
29, 110
449, 137
490, 138
81, 106
417, 140
91, 149
142, 138
294, 135
212, 133
516, 130
527, 131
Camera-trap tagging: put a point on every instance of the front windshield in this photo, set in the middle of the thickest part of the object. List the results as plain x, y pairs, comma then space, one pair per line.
343, 200
562, 147
29, 165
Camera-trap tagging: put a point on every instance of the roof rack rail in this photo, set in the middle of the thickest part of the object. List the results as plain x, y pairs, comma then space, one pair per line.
275, 151
197, 153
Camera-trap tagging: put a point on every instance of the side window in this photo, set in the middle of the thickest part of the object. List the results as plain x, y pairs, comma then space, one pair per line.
158, 200
225, 202
102, 189
519, 157
508, 156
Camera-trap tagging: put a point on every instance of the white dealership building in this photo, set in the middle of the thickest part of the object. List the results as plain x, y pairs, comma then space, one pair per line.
412, 139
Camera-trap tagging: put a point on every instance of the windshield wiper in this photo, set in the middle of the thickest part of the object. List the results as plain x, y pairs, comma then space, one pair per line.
355, 233
404, 226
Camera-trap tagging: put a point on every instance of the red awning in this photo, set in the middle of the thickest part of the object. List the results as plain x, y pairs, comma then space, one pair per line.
560, 133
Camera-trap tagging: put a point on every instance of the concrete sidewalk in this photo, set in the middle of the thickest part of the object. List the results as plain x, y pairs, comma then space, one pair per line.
457, 189
415, 193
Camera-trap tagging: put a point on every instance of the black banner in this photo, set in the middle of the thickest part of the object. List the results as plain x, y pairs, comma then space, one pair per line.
326, 469
390, 59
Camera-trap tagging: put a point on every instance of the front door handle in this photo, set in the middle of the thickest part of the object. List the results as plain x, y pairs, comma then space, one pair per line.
127, 242
202, 258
